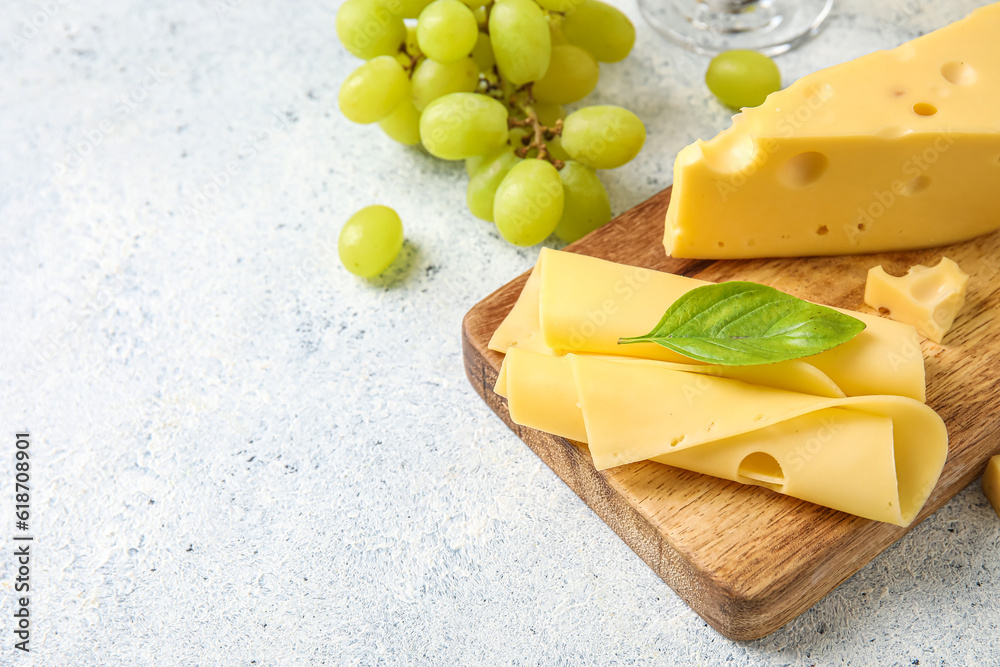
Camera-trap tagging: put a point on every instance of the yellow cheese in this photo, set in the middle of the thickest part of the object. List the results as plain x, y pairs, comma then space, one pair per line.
927, 298
877, 457
897, 149
586, 304
521, 324
637, 411
991, 483
835, 458
541, 393
520, 328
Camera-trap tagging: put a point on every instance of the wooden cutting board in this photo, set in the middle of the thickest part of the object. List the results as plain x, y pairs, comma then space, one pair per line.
748, 560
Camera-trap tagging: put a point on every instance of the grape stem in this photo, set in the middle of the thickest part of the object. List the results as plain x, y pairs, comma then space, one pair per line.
522, 101
414, 59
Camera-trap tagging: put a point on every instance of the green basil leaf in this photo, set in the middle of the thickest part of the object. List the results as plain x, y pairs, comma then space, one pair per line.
742, 323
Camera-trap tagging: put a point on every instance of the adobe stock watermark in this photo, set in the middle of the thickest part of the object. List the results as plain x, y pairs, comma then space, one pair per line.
908, 350
808, 450
324, 254
378, 22
597, 319
48, 347
787, 126
224, 8
221, 179
123, 107
31, 25
914, 179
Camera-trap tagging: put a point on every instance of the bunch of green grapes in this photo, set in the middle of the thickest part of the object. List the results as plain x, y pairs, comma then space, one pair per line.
484, 81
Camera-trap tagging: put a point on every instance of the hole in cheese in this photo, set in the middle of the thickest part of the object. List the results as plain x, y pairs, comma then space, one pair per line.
762, 468
917, 184
928, 289
803, 169
823, 231
924, 109
729, 153
959, 73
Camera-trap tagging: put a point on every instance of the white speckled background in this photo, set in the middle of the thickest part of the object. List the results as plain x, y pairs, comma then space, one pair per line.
245, 455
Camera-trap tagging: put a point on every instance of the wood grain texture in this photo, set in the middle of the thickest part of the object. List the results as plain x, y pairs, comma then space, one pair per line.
748, 560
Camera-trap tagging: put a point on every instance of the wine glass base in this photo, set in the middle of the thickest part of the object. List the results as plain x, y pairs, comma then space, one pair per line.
770, 27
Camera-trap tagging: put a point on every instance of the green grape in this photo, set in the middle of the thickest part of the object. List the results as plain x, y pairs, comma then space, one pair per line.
742, 78
432, 79
587, 206
486, 179
529, 202
370, 240
475, 4
516, 136
562, 6
603, 137
601, 29
402, 59
408, 9
368, 29
472, 163
482, 53
548, 113
571, 76
555, 149
447, 30
482, 17
372, 91
556, 31
521, 40
412, 48
460, 125
403, 124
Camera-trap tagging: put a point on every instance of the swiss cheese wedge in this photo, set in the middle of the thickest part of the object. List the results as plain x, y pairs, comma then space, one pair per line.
897, 149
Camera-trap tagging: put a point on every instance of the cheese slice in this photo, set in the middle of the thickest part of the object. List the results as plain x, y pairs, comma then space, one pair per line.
521, 327
928, 298
991, 483
877, 456
897, 149
836, 458
586, 304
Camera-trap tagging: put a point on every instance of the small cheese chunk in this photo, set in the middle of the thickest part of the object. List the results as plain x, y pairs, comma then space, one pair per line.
927, 298
991, 483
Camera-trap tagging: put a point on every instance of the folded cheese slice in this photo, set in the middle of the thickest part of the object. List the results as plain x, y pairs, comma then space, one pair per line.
584, 304
874, 456
894, 150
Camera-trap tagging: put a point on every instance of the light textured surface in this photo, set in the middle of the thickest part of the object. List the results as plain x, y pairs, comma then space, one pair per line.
244, 455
